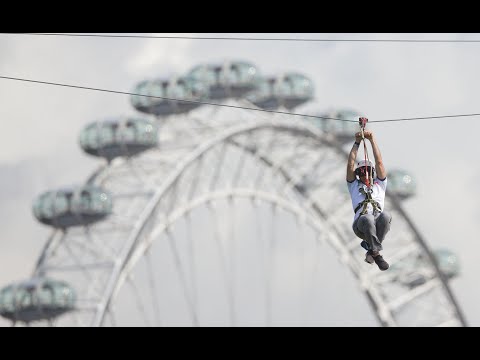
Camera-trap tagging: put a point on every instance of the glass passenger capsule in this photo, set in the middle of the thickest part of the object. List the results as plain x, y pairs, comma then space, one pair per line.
401, 183
162, 96
232, 79
413, 271
122, 137
36, 299
448, 262
287, 90
72, 207
344, 131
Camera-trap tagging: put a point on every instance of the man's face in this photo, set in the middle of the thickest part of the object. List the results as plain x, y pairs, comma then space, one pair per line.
363, 174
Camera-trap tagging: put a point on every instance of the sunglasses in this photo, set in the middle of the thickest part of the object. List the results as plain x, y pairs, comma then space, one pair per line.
361, 171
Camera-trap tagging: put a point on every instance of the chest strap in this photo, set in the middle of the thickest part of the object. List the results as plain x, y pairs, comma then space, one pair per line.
364, 203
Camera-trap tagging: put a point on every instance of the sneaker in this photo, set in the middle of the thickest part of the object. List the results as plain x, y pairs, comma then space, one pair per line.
369, 258
381, 263
364, 245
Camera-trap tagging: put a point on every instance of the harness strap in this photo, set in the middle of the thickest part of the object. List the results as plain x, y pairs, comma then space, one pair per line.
366, 158
369, 176
376, 206
364, 203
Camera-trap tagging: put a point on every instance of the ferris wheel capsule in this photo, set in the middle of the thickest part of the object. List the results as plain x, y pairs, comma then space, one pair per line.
176, 95
340, 123
72, 206
232, 79
287, 90
36, 299
119, 137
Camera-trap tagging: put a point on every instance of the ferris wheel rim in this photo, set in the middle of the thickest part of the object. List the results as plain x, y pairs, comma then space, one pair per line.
278, 124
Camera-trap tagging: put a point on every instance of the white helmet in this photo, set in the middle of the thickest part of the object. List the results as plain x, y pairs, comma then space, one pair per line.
360, 166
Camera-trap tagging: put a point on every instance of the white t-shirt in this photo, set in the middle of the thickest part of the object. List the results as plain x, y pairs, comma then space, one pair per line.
379, 188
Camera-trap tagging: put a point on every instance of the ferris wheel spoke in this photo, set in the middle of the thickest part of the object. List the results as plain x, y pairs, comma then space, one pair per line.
218, 166
112, 227
146, 193
86, 247
308, 171
172, 201
106, 251
223, 264
77, 261
192, 261
116, 218
300, 222
280, 166
111, 316
181, 275
45, 252
291, 183
153, 288
138, 173
196, 179
315, 274
262, 245
201, 124
276, 165
238, 173
93, 282
138, 300
270, 265
260, 157
232, 253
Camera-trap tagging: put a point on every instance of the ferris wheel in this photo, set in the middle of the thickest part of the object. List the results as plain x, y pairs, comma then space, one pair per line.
221, 216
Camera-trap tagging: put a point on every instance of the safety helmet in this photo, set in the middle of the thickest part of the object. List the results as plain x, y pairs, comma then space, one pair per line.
360, 167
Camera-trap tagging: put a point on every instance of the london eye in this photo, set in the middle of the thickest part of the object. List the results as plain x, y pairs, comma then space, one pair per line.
201, 216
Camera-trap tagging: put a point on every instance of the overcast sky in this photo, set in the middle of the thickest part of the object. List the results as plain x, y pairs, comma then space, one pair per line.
40, 124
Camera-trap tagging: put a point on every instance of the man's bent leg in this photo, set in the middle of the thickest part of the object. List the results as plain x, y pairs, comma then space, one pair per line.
382, 223
366, 225
355, 229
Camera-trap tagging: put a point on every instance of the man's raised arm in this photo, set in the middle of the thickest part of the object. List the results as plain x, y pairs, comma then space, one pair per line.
352, 157
381, 172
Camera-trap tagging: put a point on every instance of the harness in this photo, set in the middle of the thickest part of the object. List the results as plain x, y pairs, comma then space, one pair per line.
368, 200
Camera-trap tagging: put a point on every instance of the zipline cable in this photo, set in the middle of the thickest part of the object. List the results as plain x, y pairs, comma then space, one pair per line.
229, 106
252, 39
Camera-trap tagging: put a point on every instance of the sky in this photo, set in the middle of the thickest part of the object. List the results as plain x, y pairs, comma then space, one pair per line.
40, 124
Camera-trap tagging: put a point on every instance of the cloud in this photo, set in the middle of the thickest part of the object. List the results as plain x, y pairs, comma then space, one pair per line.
160, 58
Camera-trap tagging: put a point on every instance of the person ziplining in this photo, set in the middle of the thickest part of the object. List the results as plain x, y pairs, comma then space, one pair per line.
367, 185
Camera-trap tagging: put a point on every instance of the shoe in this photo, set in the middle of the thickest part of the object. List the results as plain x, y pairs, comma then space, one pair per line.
364, 245
381, 263
369, 258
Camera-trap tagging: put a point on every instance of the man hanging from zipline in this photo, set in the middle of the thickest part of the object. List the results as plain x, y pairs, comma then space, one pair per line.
367, 185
